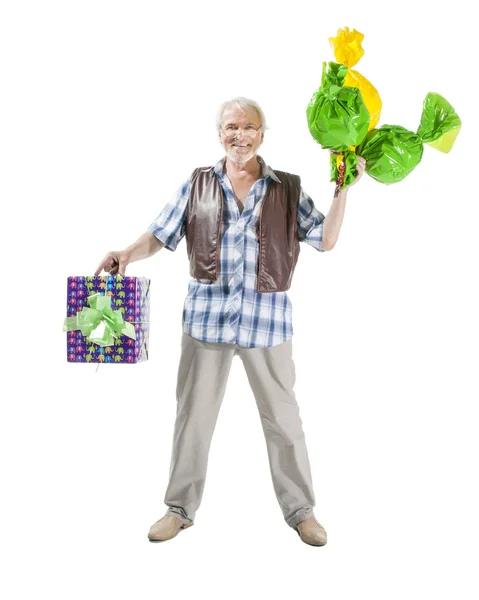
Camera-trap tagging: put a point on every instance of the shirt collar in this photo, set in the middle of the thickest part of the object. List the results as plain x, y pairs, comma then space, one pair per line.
267, 171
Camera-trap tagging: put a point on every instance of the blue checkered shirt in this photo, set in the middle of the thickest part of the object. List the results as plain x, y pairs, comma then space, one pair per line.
231, 310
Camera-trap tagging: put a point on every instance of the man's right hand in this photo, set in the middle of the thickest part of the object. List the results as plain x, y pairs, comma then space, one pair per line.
114, 263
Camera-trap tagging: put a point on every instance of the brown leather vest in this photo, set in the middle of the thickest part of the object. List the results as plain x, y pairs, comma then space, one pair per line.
277, 231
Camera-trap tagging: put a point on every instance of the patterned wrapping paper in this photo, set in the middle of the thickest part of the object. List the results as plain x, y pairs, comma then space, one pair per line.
131, 296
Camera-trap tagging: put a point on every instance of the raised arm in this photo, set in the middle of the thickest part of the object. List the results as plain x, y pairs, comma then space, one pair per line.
334, 218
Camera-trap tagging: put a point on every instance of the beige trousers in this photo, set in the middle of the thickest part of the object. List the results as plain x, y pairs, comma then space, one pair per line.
202, 376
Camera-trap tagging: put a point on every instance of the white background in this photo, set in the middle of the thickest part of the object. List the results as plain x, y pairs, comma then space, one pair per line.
107, 107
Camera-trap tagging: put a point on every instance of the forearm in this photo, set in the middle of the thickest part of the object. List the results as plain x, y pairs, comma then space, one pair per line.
144, 247
334, 219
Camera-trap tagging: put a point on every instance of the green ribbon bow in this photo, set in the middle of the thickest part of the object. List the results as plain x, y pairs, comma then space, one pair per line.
100, 324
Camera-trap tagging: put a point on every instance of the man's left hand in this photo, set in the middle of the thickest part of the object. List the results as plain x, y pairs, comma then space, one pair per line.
360, 167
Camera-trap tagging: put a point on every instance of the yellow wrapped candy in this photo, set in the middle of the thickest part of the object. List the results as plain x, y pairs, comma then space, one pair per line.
348, 51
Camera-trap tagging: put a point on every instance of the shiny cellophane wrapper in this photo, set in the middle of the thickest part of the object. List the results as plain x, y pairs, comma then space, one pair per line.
391, 153
128, 294
336, 114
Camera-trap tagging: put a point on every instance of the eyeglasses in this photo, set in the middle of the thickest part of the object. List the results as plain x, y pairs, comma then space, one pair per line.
232, 131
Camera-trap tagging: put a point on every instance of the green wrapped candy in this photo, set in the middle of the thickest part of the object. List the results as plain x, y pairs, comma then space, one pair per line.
392, 152
337, 116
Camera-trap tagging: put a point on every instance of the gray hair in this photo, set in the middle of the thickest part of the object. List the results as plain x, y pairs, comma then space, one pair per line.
243, 103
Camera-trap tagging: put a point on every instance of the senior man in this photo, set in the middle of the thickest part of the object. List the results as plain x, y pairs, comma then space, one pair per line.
243, 222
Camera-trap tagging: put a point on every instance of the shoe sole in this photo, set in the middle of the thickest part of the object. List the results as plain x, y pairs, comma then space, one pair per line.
173, 536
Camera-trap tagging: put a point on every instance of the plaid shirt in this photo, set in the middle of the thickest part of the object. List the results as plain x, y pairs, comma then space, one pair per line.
230, 309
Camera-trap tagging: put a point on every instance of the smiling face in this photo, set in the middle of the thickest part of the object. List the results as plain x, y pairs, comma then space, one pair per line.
238, 146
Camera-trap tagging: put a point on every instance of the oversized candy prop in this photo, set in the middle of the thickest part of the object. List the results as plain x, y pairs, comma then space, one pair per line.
343, 113
392, 152
337, 115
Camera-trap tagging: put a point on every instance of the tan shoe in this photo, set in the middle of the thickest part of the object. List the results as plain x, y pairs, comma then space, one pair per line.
312, 532
166, 528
